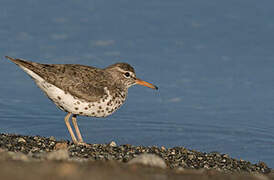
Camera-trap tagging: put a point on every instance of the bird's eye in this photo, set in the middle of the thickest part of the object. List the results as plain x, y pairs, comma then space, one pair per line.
127, 74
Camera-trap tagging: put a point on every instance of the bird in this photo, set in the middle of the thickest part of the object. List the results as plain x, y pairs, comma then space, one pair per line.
82, 90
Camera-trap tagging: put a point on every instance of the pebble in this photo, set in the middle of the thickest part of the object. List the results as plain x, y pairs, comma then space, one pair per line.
190, 157
149, 160
112, 144
61, 145
58, 155
18, 156
21, 140
163, 148
52, 138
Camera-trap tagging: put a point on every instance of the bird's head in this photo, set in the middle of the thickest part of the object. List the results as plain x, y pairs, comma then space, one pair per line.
124, 75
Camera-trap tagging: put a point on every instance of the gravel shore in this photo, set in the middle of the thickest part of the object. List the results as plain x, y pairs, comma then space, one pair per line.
36, 152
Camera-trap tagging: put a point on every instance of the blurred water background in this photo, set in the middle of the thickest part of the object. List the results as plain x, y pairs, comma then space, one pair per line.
212, 60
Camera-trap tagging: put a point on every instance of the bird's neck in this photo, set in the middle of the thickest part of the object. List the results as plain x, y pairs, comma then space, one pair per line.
121, 92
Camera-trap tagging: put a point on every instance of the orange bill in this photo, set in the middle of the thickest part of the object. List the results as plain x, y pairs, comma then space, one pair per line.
144, 83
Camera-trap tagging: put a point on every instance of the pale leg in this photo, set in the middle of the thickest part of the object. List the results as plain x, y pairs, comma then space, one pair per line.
70, 129
78, 133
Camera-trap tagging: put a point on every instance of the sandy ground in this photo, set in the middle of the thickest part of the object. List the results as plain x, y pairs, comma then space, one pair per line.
108, 170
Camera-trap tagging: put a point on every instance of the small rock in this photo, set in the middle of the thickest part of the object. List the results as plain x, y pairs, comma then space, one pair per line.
112, 144
2, 150
190, 157
58, 155
183, 163
35, 138
18, 156
173, 152
61, 145
35, 149
206, 166
180, 169
52, 138
149, 159
163, 148
21, 140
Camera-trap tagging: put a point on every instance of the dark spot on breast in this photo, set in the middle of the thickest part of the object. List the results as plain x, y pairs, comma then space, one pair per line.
78, 102
98, 111
93, 113
107, 108
59, 97
89, 106
80, 112
109, 103
76, 108
102, 111
100, 107
86, 108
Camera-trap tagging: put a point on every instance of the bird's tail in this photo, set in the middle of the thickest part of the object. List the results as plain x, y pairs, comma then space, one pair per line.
12, 59
21, 63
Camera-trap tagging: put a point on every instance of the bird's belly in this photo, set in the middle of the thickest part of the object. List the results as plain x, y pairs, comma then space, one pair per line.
65, 101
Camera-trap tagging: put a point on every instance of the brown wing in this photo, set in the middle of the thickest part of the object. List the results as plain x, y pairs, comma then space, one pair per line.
78, 80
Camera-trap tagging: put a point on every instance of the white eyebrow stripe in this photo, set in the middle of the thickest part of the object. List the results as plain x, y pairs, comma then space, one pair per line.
123, 71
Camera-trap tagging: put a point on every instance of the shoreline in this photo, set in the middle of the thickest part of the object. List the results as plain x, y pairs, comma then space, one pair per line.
36, 149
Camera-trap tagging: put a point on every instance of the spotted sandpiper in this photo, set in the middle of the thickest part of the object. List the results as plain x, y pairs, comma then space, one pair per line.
83, 90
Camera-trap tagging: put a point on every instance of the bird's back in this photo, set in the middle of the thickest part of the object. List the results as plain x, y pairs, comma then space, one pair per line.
84, 82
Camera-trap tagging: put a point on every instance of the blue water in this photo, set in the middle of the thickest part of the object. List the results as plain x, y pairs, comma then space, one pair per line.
212, 60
